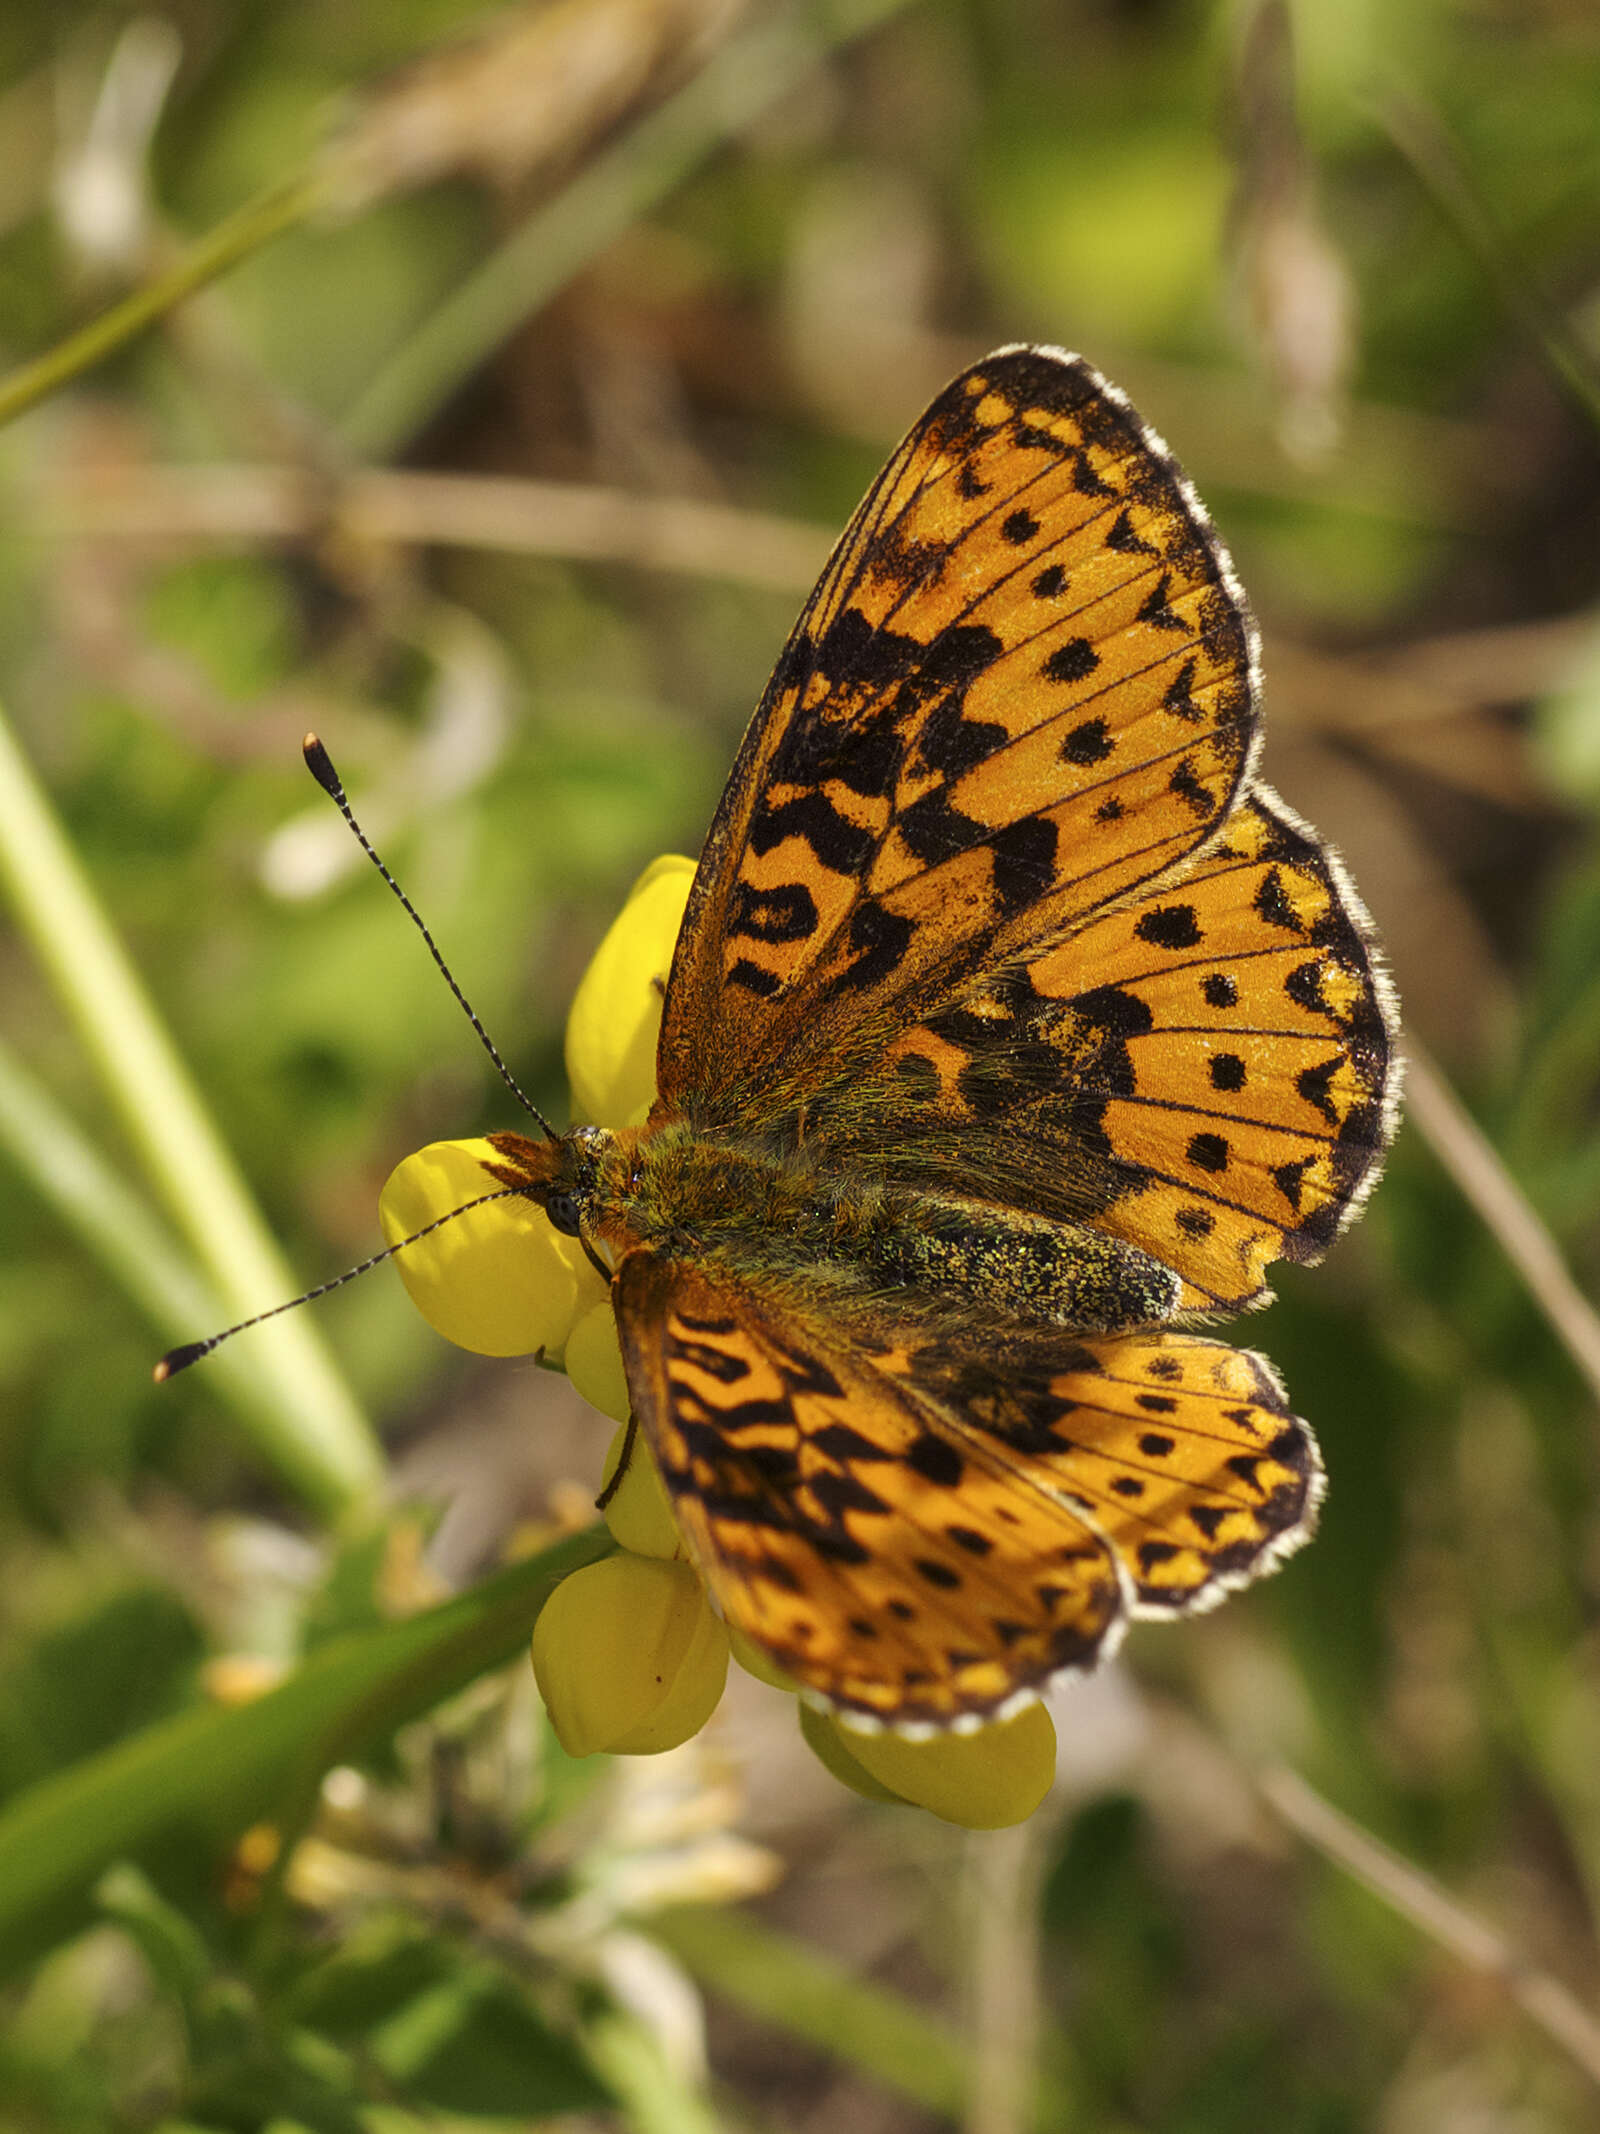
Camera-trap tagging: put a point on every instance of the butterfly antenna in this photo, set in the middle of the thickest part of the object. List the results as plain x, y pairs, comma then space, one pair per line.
320, 765
179, 1359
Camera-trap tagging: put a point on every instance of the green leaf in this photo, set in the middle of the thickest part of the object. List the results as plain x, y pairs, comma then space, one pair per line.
201, 1778
812, 1996
170, 1943
474, 2043
82, 1684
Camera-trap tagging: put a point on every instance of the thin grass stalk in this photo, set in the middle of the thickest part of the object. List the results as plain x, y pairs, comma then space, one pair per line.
311, 1432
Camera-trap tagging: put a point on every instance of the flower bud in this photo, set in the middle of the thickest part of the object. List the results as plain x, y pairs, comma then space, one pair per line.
755, 1662
594, 1362
629, 1657
827, 1743
616, 1012
640, 1514
499, 1280
985, 1780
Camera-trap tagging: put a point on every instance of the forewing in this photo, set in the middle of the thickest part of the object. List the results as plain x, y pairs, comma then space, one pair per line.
1208, 1072
1025, 685
899, 1576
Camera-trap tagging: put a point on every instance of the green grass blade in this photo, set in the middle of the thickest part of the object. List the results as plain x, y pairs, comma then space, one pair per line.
212, 1771
310, 1428
255, 224
95, 1201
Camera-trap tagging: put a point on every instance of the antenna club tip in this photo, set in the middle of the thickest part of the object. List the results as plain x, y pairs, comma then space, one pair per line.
179, 1359
320, 765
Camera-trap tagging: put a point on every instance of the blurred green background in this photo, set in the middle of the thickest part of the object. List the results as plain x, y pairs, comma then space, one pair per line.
700, 265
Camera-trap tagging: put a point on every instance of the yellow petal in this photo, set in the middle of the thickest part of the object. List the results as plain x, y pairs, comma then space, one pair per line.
826, 1743
616, 1013
984, 1781
640, 1514
500, 1281
695, 1691
594, 1362
628, 1656
755, 1662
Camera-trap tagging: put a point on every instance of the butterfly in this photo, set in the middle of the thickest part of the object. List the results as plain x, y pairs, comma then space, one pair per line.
1013, 1029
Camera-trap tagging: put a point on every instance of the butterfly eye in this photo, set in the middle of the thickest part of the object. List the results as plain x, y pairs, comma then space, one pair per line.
562, 1209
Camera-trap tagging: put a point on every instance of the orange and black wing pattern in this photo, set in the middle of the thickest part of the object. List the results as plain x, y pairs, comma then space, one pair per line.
1207, 1071
921, 1536
1025, 685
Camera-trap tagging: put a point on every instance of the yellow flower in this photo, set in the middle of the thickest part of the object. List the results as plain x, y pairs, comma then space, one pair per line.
629, 1655
985, 1780
502, 1280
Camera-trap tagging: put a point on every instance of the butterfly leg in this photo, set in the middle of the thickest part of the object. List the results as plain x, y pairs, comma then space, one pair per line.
630, 1438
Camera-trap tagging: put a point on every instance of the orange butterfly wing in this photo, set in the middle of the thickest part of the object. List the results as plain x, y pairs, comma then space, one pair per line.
1025, 685
920, 1533
992, 907
1208, 1071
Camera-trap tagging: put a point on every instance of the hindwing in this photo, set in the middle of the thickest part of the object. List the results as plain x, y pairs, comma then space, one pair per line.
1208, 1071
922, 1535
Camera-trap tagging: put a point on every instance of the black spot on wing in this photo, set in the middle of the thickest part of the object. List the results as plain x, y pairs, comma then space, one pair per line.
1314, 1083
968, 1538
934, 829
1189, 788
1208, 1152
935, 1459
1290, 1178
951, 743
1024, 862
1087, 744
1125, 541
1169, 926
1155, 610
837, 1441
937, 1574
788, 913
836, 843
754, 979
952, 662
1272, 902
1084, 478
1114, 1011
878, 941
1071, 662
1304, 987
1179, 697
839, 1492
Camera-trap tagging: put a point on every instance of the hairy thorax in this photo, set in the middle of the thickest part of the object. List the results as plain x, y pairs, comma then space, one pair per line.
861, 1245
